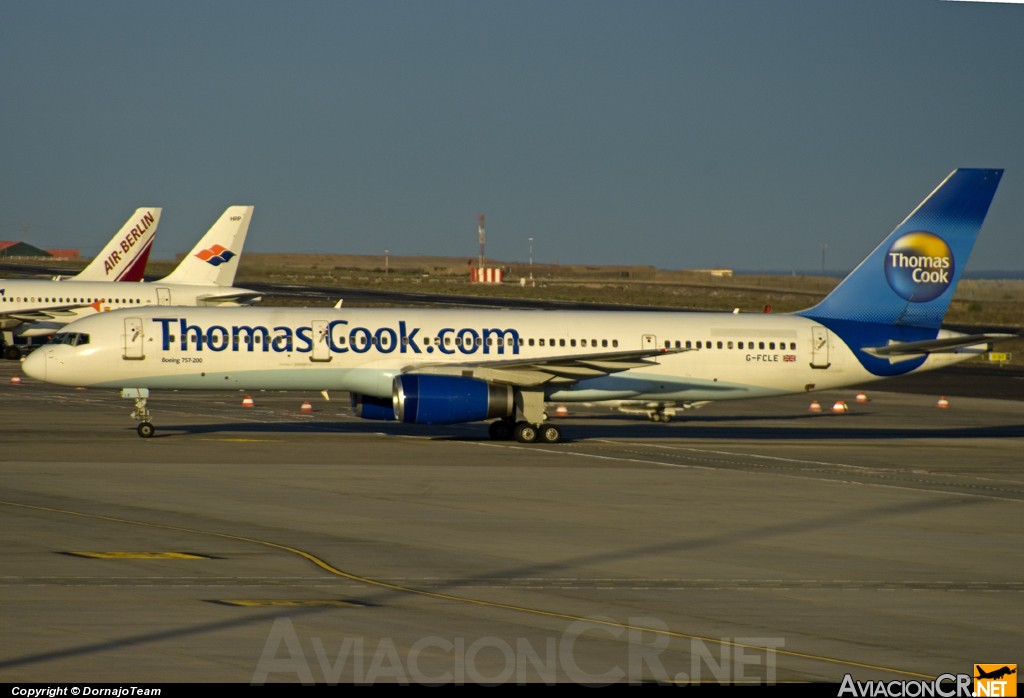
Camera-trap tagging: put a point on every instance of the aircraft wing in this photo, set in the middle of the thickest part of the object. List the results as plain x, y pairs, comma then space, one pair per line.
239, 296
551, 369
937, 346
43, 314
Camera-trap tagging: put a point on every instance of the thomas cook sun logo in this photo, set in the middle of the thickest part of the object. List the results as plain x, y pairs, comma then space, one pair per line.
919, 266
216, 255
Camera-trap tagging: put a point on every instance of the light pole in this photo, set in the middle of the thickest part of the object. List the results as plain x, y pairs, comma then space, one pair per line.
531, 260
387, 263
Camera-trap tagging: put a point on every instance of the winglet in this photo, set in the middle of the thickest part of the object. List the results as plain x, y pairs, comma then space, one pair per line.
124, 257
910, 278
214, 259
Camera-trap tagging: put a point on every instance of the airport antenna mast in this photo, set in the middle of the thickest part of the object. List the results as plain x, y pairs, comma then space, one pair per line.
482, 238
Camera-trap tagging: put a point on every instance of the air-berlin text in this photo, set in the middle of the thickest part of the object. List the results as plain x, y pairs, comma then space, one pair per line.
128, 242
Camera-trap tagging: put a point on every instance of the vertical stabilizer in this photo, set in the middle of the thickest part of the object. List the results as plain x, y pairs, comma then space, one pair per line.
124, 257
910, 278
214, 259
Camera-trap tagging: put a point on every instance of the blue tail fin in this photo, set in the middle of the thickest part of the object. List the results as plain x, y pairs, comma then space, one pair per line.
910, 278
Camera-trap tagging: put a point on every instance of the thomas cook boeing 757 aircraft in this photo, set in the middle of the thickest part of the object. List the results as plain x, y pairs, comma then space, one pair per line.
447, 366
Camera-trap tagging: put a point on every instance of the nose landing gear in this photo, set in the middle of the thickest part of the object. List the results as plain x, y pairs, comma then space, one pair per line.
141, 411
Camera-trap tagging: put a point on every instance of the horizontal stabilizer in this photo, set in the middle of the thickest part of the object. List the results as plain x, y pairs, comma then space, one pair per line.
937, 346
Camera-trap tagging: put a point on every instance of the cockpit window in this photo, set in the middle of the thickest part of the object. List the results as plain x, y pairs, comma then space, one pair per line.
73, 339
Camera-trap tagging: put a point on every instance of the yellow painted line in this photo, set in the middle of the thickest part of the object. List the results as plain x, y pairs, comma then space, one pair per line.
381, 584
302, 603
241, 441
132, 555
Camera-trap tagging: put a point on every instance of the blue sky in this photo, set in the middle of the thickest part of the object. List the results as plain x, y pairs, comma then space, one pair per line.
679, 134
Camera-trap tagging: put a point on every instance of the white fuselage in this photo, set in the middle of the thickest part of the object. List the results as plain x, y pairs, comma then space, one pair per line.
722, 355
37, 307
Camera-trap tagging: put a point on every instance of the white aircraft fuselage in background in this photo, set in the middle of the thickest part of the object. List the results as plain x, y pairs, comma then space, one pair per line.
37, 307
26, 302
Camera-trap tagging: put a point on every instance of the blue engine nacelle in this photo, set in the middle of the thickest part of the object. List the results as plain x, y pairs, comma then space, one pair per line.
429, 399
369, 407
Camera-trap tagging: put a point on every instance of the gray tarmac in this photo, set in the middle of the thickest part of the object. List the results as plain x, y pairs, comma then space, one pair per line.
743, 542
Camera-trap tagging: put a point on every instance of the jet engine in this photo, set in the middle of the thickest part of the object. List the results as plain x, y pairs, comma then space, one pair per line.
370, 407
431, 399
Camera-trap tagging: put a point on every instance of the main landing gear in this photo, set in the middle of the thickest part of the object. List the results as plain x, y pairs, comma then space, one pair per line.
524, 432
533, 428
659, 416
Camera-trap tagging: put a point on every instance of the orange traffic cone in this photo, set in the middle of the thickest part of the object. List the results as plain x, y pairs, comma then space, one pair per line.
561, 411
815, 406
247, 401
307, 407
15, 380
862, 397
840, 407
943, 403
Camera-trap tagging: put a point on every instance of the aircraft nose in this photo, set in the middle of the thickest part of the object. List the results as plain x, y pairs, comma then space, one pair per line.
34, 364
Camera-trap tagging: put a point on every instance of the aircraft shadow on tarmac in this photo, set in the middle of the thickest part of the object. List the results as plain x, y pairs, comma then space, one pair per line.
798, 428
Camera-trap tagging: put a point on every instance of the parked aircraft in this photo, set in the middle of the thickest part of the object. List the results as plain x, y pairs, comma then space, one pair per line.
447, 366
38, 307
122, 259
654, 410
